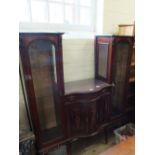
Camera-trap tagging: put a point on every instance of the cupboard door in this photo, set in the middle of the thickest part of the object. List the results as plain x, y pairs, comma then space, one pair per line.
103, 56
103, 107
42, 61
92, 117
40, 56
77, 119
87, 116
121, 65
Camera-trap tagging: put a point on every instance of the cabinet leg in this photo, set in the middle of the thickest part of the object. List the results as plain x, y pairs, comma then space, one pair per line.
69, 150
106, 135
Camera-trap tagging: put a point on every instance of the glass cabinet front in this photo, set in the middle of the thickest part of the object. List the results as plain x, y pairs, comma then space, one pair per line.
43, 69
121, 63
103, 60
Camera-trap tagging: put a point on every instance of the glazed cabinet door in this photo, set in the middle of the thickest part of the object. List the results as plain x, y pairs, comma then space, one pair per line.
39, 54
103, 56
121, 63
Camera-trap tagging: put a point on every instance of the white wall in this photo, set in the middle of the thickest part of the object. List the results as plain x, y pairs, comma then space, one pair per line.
78, 59
118, 12
78, 54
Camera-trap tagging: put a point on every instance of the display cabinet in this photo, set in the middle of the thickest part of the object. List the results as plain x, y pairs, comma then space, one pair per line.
61, 112
116, 69
41, 57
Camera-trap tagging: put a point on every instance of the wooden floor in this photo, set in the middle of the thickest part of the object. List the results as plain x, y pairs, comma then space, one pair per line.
126, 147
96, 146
87, 146
93, 145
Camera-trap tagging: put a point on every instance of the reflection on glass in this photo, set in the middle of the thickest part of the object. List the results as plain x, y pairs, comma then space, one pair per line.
54, 62
41, 53
103, 59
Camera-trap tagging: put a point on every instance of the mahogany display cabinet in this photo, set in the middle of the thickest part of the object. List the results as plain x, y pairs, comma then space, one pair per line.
41, 57
113, 59
62, 112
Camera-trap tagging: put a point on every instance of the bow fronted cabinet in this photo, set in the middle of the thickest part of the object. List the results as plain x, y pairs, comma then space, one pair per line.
61, 112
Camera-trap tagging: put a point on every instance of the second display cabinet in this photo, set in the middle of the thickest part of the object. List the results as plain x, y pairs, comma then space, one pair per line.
113, 58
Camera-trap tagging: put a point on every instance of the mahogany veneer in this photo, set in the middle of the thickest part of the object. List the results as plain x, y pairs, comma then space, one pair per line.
62, 111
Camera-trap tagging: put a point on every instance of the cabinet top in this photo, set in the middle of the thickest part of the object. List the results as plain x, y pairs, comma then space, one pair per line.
39, 33
114, 35
85, 86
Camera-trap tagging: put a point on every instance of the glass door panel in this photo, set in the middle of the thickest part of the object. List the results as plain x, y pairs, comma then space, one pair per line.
121, 63
42, 61
103, 60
